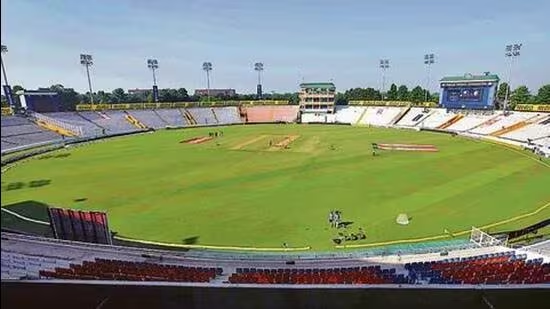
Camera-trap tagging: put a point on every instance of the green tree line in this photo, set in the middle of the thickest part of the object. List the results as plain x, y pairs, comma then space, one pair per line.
69, 98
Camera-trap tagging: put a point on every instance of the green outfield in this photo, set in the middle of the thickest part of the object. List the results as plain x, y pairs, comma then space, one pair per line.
265, 185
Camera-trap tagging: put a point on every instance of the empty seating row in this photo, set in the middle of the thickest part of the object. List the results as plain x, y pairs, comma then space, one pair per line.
17, 131
502, 268
380, 115
347, 275
106, 269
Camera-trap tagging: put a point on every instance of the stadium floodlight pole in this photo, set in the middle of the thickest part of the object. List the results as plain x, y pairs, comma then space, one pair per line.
153, 64
511, 51
207, 67
429, 59
4, 51
87, 61
7, 89
384, 65
259, 67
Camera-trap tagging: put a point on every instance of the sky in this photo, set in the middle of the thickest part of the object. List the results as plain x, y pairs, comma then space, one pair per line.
297, 40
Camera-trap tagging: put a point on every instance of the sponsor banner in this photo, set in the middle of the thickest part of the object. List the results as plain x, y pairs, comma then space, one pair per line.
7, 111
392, 103
533, 107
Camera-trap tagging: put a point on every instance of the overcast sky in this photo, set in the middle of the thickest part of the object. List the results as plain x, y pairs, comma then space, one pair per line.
314, 40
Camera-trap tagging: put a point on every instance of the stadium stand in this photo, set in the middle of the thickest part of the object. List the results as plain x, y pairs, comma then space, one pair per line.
348, 114
501, 268
436, 118
339, 275
499, 122
39, 258
258, 114
172, 117
88, 128
149, 118
380, 115
227, 115
203, 116
317, 118
112, 121
414, 117
532, 131
470, 120
18, 131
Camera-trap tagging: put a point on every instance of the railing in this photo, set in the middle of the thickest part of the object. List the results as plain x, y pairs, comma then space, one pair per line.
167, 105
75, 130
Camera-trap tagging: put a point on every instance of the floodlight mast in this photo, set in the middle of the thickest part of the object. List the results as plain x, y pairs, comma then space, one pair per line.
207, 67
7, 88
87, 61
429, 59
4, 51
511, 51
384, 65
153, 64
259, 67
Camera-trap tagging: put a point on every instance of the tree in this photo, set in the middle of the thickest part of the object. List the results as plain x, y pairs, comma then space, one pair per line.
434, 97
543, 96
183, 95
16, 88
520, 96
341, 99
103, 97
501, 93
68, 97
417, 94
402, 93
119, 96
392, 93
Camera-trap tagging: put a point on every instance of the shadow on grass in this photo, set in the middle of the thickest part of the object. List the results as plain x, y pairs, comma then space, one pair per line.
56, 156
31, 209
191, 240
17, 185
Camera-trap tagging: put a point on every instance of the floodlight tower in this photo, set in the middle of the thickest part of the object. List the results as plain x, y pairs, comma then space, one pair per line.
259, 67
7, 89
511, 51
87, 61
153, 64
429, 59
207, 67
384, 65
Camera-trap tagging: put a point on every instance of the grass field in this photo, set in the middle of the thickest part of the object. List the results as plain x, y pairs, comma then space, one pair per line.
247, 189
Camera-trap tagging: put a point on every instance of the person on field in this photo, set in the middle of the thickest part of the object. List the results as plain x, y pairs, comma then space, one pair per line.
330, 218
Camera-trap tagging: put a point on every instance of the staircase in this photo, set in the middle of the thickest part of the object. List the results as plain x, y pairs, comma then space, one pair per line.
215, 116
188, 117
160, 117
451, 121
133, 120
362, 115
517, 126
243, 114
400, 115
486, 123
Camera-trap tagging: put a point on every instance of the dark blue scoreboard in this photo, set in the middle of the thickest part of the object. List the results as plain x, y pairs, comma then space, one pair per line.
468, 91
